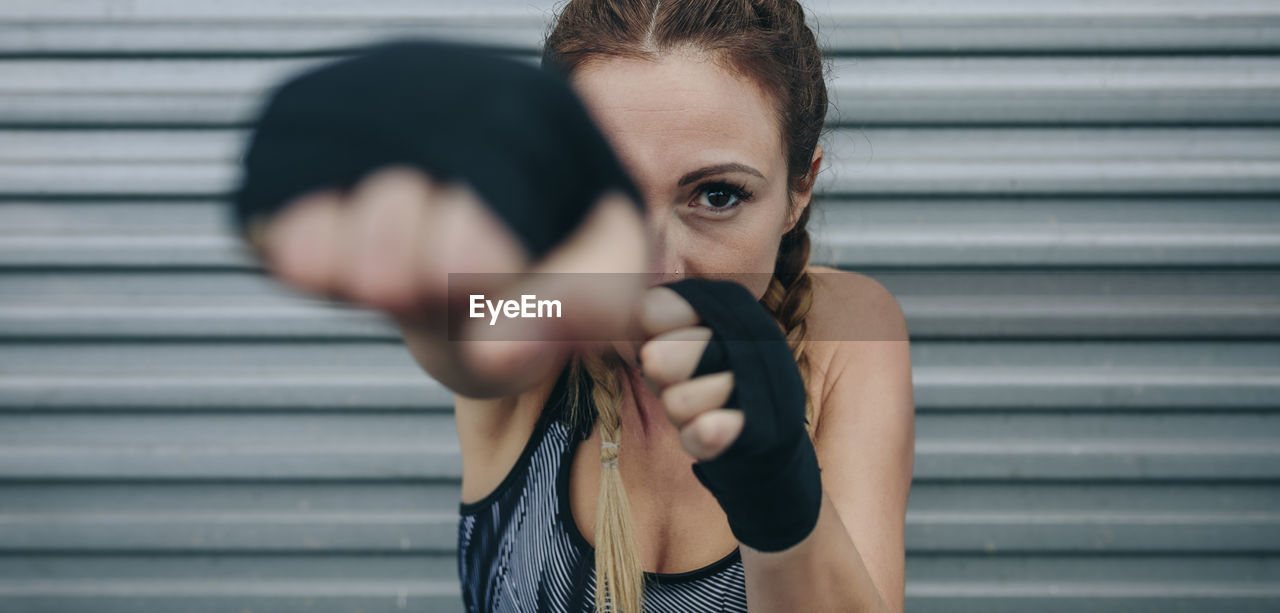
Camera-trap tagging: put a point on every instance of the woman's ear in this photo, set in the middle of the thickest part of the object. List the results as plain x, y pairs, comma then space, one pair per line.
800, 200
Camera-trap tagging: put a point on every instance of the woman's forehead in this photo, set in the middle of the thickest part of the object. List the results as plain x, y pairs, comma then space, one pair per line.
680, 110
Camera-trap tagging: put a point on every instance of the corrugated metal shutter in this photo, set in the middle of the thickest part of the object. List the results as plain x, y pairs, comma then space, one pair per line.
1076, 204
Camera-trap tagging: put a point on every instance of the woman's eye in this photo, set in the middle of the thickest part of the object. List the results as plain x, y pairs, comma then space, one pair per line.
721, 196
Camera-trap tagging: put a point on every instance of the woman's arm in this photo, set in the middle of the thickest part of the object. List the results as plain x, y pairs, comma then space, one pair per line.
821, 527
378, 199
854, 560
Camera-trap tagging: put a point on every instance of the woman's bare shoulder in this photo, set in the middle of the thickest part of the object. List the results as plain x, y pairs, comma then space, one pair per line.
851, 316
851, 306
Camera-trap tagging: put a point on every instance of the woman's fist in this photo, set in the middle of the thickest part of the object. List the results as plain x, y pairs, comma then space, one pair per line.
393, 242
695, 405
388, 245
374, 178
722, 348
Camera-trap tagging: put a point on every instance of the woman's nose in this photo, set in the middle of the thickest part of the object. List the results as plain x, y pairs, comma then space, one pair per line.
665, 258
666, 255
668, 264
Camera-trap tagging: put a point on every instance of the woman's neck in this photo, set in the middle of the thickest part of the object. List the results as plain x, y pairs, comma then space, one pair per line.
642, 410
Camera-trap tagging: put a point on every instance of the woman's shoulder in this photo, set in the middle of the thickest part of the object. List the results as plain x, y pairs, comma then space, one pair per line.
848, 310
850, 306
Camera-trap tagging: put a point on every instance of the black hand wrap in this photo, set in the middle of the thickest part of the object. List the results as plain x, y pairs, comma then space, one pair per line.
516, 133
768, 481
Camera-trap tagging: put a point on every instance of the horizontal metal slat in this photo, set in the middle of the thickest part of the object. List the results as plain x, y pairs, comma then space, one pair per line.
264, 427
389, 532
1016, 580
380, 596
1086, 567
1017, 375
372, 496
88, 317
869, 232
1031, 575
133, 581
116, 596
869, 91
1114, 428
317, 391
1044, 534
1027, 497
422, 532
864, 91
214, 461
1099, 387
283, 26
1045, 459
1006, 161
229, 566
937, 388
1127, 532
260, 496
1130, 518
266, 581
1094, 375
361, 363
1104, 596
286, 11
273, 38
1101, 459
164, 432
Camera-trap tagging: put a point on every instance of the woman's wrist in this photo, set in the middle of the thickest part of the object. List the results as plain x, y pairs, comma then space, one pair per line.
772, 500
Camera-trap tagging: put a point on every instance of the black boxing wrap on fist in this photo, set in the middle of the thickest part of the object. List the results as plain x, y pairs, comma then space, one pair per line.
768, 481
516, 133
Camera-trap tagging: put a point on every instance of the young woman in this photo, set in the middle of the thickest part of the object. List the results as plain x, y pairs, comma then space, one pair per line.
621, 477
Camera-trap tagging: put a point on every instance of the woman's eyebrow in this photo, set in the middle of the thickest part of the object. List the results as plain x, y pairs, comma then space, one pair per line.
705, 171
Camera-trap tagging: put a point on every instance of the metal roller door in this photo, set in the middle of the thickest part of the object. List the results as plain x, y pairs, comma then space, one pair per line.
1077, 205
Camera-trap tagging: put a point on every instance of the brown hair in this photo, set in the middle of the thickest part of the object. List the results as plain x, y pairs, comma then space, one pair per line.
769, 42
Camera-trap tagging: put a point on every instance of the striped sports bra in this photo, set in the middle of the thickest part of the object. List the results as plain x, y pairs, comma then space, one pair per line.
519, 550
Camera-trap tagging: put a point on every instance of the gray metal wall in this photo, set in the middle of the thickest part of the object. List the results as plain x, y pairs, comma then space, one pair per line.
1077, 204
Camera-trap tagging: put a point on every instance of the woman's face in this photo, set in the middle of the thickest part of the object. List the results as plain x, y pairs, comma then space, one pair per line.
704, 146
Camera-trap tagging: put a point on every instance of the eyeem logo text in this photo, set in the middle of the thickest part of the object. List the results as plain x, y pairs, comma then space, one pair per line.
528, 306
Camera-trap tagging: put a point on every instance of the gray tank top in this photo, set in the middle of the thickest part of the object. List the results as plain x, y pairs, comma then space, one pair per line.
519, 550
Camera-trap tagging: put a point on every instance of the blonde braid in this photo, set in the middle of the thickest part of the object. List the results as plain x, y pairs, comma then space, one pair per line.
619, 573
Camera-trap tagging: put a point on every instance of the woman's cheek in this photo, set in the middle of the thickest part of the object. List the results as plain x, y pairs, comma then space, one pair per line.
743, 245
